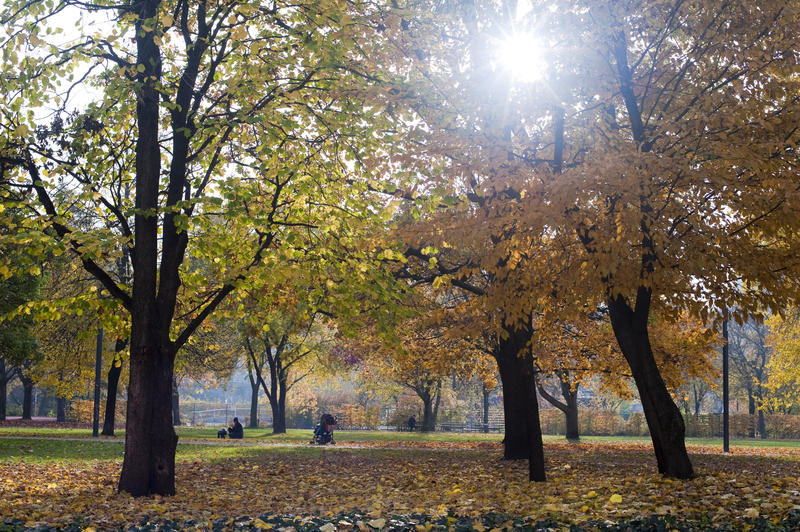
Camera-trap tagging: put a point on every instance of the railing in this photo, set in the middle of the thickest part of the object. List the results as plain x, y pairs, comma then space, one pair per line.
470, 427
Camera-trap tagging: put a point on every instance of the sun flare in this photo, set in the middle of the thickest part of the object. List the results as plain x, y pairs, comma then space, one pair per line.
523, 56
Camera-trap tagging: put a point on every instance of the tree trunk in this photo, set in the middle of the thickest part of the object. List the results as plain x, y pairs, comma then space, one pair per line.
569, 407
176, 404
751, 410
61, 409
437, 401
7, 374
515, 442
253, 423
4, 380
762, 423
427, 412
27, 397
523, 438
277, 402
110, 416
150, 439
663, 417
536, 472
278, 416
486, 393
571, 411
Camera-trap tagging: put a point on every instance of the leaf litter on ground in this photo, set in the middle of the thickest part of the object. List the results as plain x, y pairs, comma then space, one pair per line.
587, 483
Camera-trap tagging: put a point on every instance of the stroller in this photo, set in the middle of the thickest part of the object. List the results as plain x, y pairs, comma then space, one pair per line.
323, 432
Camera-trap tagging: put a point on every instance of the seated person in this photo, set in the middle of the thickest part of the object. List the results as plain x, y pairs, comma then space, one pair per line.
236, 432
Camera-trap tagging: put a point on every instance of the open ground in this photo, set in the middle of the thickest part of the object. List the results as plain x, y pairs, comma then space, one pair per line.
59, 477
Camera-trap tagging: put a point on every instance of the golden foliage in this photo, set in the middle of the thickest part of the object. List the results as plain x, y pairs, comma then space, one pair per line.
784, 365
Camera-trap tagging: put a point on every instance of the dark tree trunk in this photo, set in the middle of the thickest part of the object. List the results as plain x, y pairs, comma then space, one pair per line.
569, 406
536, 471
110, 416
277, 402
486, 393
176, 404
61, 409
762, 423
253, 423
571, 411
436, 402
278, 416
523, 437
27, 397
571, 416
515, 442
427, 412
751, 410
5, 377
663, 417
150, 439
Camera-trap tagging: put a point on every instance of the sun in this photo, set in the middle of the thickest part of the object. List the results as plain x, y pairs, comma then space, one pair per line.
523, 56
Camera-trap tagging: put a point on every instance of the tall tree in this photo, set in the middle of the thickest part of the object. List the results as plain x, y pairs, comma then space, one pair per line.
650, 169
784, 365
750, 356
281, 353
240, 113
19, 285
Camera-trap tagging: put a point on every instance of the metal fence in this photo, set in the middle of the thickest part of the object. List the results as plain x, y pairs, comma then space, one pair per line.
223, 416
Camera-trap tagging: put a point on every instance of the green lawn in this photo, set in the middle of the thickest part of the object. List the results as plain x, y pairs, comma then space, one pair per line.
46, 451
299, 436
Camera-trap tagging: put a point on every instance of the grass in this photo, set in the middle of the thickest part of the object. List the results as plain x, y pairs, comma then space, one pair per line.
46, 451
710, 442
301, 436
342, 436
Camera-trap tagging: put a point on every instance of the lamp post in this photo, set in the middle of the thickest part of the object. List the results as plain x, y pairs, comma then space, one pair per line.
725, 399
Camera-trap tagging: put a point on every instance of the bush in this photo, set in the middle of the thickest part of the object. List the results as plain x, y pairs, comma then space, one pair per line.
610, 423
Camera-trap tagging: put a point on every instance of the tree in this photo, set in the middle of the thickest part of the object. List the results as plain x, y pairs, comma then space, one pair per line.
649, 171
286, 346
18, 344
783, 367
578, 351
66, 327
241, 113
7, 375
750, 355
427, 349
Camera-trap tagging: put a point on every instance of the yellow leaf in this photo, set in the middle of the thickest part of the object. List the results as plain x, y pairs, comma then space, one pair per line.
258, 523
21, 130
377, 523
616, 498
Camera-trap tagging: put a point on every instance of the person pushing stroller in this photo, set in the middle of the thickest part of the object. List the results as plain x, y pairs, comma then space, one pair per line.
323, 432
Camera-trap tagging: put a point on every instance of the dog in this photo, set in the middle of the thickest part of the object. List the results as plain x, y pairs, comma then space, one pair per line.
222, 433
